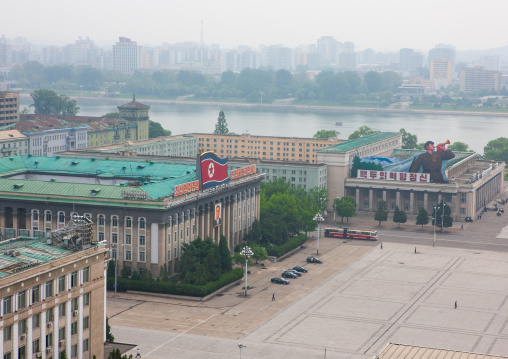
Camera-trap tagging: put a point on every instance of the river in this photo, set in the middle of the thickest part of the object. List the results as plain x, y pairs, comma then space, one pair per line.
475, 131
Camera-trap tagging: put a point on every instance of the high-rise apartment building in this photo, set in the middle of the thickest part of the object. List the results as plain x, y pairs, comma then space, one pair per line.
9, 108
441, 69
410, 60
491, 62
126, 56
442, 51
478, 78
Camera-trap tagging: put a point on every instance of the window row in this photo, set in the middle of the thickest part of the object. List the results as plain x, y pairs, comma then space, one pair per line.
28, 297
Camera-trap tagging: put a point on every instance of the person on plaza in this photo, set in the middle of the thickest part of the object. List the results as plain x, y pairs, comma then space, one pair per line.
432, 161
138, 355
273, 297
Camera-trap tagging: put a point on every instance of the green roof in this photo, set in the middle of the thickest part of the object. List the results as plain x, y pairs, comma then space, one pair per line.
157, 180
23, 253
359, 142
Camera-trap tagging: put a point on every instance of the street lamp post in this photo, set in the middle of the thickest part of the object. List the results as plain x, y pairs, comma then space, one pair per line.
318, 218
240, 345
442, 218
116, 263
246, 251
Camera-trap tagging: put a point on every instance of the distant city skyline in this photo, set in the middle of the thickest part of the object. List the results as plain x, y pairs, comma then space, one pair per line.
383, 26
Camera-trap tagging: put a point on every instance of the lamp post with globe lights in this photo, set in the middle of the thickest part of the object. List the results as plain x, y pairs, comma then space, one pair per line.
318, 218
246, 251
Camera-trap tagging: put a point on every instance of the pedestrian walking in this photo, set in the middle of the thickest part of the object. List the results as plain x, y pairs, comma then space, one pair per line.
415, 250
273, 297
462, 226
455, 304
381, 245
138, 355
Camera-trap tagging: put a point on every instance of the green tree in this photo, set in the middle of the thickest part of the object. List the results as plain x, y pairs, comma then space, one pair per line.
115, 354
382, 212
345, 207
155, 130
362, 131
48, 102
109, 336
124, 273
399, 216
326, 134
459, 147
135, 275
221, 127
146, 276
226, 262
260, 253
63, 355
442, 219
497, 150
409, 141
422, 217
91, 79
112, 115
111, 268
164, 274
320, 197
374, 81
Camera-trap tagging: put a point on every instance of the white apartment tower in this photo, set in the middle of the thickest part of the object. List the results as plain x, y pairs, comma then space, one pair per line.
126, 56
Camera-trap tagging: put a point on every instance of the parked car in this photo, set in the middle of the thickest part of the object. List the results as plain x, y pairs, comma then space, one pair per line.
300, 269
313, 259
298, 274
287, 274
279, 280
469, 219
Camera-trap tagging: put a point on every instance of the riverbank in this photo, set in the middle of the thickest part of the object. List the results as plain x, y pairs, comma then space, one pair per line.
290, 106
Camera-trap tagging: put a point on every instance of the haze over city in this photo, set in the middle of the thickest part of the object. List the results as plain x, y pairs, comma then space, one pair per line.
381, 25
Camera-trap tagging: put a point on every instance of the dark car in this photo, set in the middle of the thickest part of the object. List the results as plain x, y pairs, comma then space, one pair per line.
469, 219
287, 274
279, 280
313, 259
300, 269
298, 274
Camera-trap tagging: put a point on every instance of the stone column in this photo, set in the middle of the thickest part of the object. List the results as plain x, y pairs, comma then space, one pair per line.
425, 200
357, 197
68, 322
371, 199
411, 202
397, 198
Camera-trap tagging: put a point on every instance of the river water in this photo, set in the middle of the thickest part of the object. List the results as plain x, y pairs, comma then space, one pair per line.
475, 131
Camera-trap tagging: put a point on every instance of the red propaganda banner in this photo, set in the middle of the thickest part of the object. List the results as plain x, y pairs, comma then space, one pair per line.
214, 170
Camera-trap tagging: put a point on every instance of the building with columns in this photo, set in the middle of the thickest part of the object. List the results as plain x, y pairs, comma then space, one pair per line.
472, 184
144, 210
52, 300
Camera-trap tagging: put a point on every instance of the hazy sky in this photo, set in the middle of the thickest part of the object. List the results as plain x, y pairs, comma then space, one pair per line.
379, 24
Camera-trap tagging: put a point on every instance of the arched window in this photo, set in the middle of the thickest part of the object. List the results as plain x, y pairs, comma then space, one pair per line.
35, 214
142, 223
114, 221
100, 219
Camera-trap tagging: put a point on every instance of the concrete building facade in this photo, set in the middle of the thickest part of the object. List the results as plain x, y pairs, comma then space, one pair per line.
474, 79
9, 108
51, 300
264, 147
13, 143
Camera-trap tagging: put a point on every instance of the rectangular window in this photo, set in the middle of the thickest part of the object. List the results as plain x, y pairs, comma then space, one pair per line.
61, 284
8, 333
7, 356
101, 220
49, 289
49, 340
35, 346
142, 256
128, 222
463, 197
74, 328
169, 254
462, 211
128, 239
61, 217
86, 274
35, 294
128, 255
86, 299
61, 333
74, 351
61, 310
22, 327
49, 315
114, 221
85, 322
85, 345
114, 237
36, 320
21, 299
142, 240
74, 279
74, 304
7, 305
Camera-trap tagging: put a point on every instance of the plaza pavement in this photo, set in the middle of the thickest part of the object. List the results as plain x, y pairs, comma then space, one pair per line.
360, 299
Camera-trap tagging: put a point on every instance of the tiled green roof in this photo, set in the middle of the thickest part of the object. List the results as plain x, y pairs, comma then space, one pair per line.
31, 252
359, 142
155, 179
405, 154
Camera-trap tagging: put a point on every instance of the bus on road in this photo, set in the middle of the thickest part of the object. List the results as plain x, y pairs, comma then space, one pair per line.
351, 233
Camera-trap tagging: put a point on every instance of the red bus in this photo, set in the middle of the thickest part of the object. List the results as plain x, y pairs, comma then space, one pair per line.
351, 233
